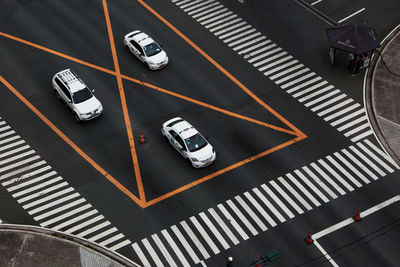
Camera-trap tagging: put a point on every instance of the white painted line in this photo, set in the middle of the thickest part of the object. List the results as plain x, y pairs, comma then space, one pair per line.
286, 197
152, 253
292, 75
351, 167
216, 20
141, 256
120, 245
47, 198
263, 55
242, 218
192, 5
185, 244
222, 37
352, 123
327, 103
355, 13
359, 164
175, 248
328, 179
10, 139
286, 71
294, 193
319, 99
74, 220
261, 209
302, 85
356, 130
43, 192
65, 215
233, 222
316, 2
112, 239
347, 117
302, 189
23, 192
224, 30
212, 14
311, 186
224, 227
84, 224
373, 156
102, 234
93, 229
30, 152
53, 203
52, 212
277, 200
312, 88
366, 160
181, 2
277, 62
24, 169
206, 5
259, 51
20, 142
214, 230
163, 250
344, 171
7, 134
195, 240
204, 234
19, 163
252, 215
324, 252
30, 181
381, 153
10, 152
336, 175
314, 94
295, 61
320, 183
241, 40
262, 62
246, 44
361, 136
206, 14
220, 21
295, 81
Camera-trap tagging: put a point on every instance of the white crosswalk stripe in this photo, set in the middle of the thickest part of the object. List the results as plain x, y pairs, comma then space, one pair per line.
47, 196
224, 227
175, 248
251, 213
185, 244
195, 240
163, 250
142, 257
204, 234
281, 68
151, 251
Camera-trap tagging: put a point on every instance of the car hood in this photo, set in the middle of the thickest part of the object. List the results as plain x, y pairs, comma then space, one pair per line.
158, 58
88, 106
203, 153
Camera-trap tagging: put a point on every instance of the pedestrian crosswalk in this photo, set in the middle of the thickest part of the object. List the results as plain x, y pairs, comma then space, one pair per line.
315, 93
244, 216
47, 197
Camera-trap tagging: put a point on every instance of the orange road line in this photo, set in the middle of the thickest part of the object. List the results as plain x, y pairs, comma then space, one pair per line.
71, 143
57, 53
200, 103
224, 71
217, 173
148, 85
124, 106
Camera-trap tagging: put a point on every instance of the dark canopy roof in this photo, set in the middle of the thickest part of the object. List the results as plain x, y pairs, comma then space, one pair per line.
352, 38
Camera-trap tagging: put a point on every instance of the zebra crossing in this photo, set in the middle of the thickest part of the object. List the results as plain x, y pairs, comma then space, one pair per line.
47, 197
315, 93
210, 232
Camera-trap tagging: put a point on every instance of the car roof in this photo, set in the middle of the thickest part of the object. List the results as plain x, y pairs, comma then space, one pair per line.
185, 129
142, 38
72, 80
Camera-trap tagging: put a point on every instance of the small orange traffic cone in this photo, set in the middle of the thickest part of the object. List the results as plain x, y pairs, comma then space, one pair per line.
357, 217
141, 140
308, 239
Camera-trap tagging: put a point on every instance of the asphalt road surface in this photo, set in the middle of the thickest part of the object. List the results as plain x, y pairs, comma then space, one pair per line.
294, 149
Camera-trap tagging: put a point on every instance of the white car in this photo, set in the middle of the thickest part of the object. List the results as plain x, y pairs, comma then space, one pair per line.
146, 50
70, 89
188, 142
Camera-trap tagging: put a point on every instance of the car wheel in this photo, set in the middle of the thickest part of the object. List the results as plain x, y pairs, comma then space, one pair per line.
77, 117
57, 95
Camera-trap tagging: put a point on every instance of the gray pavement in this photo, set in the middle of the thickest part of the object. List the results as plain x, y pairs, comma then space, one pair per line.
22, 245
382, 94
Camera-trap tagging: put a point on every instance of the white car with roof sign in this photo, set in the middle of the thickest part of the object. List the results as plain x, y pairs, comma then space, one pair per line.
70, 89
188, 142
146, 50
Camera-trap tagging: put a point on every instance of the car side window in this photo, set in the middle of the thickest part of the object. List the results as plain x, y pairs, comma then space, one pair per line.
137, 46
63, 88
180, 141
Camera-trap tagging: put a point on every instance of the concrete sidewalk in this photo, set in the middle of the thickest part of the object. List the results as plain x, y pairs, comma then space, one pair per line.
382, 94
22, 245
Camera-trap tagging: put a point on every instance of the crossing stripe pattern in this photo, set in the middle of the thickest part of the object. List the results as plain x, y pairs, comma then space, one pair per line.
47, 197
315, 93
215, 230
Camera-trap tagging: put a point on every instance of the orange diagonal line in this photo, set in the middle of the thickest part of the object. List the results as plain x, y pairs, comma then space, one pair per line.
224, 71
217, 173
124, 106
71, 143
148, 85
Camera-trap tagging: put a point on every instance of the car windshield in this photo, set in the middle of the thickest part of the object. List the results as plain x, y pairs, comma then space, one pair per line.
152, 49
82, 95
195, 142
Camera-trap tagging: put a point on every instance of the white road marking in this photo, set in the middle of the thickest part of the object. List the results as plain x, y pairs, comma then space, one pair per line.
286, 197
185, 244
316, 2
241, 217
277, 200
294, 193
252, 215
276, 62
163, 250
381, 153
89, 222
93, 229
250, 43
24, 169
10, 152
233, 222
230, 19
152, 253
111, 239
327, 178
59, 209
215, 20
281, 67
366, 160
319, 182
195, 240
175, 248
142, 257
19, 163
43, 192
351, 167
205, 236
347, 117
321, 98
361, 136
352, 123
65, 215
33, 188
302, 189
120, 245
314, 94
334, 264
312, 88
344, 171
377, 159
359, 164
224, 227
355, 13
286, 85
214, 230
261, 209
47, 198
311, 186
30, 181
17, 143
336, 175
74, 220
